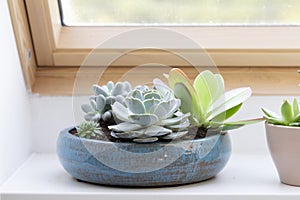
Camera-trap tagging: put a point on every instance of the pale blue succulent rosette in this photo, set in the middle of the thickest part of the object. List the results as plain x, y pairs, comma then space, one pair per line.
148, 115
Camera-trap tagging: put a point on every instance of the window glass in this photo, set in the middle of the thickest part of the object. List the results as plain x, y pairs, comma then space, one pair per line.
179, 12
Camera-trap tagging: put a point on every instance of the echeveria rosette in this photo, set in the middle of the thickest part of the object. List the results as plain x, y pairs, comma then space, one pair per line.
206, 100
290, 114
147, 116
90, 130
99, 107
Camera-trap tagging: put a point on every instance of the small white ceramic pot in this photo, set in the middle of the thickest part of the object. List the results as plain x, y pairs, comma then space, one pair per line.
284, 146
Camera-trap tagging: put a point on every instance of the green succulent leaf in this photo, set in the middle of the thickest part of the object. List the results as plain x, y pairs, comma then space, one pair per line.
186, 104
229, 100
294, 124
235, 123
297, 118
184, 90
223, 128
227, 114
295, 107
272, 120
244, 122
270, 113
290, 115
208, 88
286, 112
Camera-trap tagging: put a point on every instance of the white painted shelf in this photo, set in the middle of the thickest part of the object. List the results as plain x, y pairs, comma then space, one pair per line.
245, 177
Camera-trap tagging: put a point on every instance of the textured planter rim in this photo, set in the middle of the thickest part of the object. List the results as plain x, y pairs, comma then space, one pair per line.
282, 145
205, 158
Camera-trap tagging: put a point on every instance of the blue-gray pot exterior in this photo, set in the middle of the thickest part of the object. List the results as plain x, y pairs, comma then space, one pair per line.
196, 160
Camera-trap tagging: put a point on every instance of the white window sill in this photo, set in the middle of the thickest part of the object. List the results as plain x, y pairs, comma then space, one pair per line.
245, 177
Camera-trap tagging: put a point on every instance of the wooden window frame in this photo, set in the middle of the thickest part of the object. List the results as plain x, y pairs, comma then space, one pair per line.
264, 58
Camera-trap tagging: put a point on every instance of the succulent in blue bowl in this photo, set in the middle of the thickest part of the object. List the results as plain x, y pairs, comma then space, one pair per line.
154, 136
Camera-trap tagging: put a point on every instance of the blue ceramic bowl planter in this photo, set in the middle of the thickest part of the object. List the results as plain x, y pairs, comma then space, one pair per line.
142, 165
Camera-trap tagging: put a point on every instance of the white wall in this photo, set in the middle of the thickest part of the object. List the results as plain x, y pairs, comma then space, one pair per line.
15, 119
56, 113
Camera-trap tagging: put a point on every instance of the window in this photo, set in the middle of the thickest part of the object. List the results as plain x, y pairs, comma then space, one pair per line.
180, 12
255, 42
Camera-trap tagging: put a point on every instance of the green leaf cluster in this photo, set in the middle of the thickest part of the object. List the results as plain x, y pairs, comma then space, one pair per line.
290, 114
206, 100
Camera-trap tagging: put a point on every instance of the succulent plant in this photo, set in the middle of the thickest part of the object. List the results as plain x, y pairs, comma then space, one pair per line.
99, 107
205, 99
90, 130
147, 115
290, 114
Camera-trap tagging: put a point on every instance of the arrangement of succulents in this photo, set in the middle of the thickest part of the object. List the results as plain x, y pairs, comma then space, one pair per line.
163, 112
290, 114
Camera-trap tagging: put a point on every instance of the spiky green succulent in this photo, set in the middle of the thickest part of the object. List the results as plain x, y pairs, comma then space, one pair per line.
206, 100
290, 114
99, 107
90, 130
147, 116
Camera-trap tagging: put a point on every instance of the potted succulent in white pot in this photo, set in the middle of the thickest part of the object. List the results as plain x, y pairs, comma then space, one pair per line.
283, 137
154, 136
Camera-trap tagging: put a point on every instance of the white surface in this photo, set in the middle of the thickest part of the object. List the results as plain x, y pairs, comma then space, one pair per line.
245, 177
52, 114
15, 119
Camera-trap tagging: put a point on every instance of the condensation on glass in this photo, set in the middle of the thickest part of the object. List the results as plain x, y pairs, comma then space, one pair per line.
179, 12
